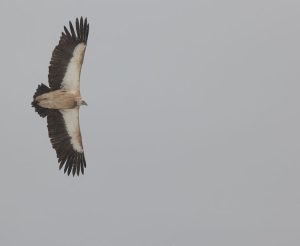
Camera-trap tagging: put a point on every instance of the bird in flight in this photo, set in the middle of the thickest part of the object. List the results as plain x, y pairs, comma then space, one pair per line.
60, 102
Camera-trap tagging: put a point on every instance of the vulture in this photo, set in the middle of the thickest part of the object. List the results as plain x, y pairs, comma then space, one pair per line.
60, 102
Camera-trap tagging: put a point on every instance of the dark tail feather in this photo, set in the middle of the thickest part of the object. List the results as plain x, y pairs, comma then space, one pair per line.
43, 112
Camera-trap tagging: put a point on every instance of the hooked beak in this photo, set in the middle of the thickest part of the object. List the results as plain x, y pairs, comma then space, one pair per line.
84, 103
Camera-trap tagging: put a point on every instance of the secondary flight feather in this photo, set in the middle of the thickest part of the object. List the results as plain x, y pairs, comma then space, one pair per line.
60, 102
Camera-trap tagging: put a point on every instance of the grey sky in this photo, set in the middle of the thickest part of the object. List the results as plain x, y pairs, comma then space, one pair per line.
191, 134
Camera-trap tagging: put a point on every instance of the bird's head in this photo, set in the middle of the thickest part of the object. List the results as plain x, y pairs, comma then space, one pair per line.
82, 102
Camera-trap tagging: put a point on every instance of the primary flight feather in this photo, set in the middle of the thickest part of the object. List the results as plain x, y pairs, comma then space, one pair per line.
61, 101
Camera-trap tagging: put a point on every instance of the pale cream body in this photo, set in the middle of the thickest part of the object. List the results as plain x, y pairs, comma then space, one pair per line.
59, 99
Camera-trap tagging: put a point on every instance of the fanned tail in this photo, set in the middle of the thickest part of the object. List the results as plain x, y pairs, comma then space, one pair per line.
43, 112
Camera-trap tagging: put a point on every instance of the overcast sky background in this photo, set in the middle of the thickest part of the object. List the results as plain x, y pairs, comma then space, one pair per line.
191, 135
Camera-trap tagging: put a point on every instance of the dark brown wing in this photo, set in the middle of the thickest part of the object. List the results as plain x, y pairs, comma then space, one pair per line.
65, 136
67, 57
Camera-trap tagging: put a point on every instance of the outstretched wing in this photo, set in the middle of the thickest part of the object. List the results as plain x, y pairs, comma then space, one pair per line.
65, 136
67, 57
